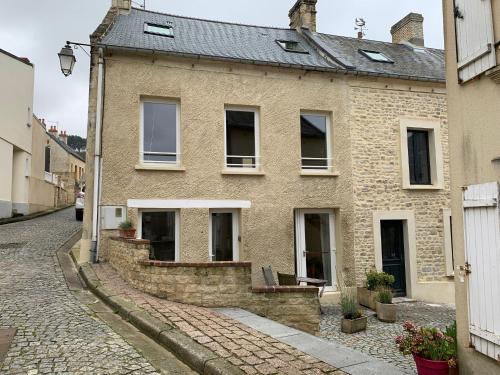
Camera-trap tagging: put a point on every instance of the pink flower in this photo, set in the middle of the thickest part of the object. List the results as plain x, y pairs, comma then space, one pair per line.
409, 326
399, 339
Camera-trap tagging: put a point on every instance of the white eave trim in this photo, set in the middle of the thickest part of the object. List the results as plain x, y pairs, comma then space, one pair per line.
188, 203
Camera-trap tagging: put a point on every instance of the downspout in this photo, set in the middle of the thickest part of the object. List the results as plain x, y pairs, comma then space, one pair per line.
97, 158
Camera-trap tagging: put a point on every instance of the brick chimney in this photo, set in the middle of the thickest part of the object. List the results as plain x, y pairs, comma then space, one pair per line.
52, 130
63, 136
303, 15
410, 29
124, 5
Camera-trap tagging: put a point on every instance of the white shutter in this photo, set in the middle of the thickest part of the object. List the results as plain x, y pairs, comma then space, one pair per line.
482, 245
475, 37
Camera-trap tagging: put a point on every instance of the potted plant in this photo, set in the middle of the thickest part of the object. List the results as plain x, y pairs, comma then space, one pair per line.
127, 229
386, 310
374, 280
434, 352
352, 318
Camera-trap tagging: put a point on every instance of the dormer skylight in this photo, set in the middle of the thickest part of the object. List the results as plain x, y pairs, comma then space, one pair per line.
162, 30
291, 46
376, 56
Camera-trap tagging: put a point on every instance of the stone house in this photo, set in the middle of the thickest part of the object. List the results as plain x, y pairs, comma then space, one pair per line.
472, 35
318, 154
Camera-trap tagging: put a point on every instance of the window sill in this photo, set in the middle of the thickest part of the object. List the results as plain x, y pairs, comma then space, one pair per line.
230, 172
159, 167
319, 173
423, 187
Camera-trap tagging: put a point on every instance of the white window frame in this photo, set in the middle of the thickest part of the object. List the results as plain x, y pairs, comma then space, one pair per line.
257, 156
178, 154
448, 243
300, 243
435, 152
177, 227
236, 231
329, 146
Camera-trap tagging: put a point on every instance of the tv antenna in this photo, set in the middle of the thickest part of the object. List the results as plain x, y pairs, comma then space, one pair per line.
360, 27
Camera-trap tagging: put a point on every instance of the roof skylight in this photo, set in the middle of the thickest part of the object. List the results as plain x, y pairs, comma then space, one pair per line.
162, 30
376, 56
291, 46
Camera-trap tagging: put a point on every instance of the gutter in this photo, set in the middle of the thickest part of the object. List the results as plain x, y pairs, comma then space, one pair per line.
97, 159
348, 70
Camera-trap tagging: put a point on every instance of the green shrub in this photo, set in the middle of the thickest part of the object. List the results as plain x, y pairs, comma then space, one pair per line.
384, 296
375, 280
126, 225
349, 306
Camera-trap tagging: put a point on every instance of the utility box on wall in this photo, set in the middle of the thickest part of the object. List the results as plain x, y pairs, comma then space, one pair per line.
112, 216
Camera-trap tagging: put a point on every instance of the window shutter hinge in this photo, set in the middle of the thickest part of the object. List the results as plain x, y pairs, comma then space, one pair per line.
458, 13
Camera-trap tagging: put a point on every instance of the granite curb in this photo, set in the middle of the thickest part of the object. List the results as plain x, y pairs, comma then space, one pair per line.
195, 355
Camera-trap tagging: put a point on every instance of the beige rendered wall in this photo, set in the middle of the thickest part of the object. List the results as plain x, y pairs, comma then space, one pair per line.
267, 228
474, 118
377, 108
16, 106
6, 154
20, 181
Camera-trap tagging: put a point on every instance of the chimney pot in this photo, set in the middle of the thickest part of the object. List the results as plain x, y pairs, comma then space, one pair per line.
125, 5
410, 29
303, 15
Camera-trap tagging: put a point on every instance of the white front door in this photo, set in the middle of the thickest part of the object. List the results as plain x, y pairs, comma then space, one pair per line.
224, 235
315, 245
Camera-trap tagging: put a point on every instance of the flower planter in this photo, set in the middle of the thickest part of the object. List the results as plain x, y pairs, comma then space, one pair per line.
367, 298
127, 233
353, 325
428, 367
387, 313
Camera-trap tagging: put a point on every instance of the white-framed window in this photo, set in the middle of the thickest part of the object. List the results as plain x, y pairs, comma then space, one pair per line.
421, 154
224, 235
315, 141
161, 228
241, 138
160, 132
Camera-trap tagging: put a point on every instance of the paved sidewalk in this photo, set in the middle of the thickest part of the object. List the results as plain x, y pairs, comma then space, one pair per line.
56, 334
346, 359
252, 351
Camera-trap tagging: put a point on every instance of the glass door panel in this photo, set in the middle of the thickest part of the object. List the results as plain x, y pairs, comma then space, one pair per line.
159, 228
222, 236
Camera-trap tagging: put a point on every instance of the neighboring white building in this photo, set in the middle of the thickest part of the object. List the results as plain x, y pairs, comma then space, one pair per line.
16, 103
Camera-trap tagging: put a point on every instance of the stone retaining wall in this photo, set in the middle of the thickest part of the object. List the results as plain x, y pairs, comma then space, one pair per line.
215, 284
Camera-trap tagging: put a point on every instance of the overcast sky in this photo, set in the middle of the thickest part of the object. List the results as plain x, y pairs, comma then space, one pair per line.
38, 29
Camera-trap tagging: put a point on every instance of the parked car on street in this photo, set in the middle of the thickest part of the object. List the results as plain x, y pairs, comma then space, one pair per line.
79, 204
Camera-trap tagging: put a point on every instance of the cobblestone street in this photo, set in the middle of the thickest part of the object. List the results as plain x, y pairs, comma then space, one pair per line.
55, 333
378, 339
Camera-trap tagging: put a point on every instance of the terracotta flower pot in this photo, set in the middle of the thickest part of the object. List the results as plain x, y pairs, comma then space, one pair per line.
127, 233
387, 312
428, 367
353, 325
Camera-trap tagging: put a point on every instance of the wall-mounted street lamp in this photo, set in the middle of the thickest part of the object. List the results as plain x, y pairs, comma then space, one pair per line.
67, 57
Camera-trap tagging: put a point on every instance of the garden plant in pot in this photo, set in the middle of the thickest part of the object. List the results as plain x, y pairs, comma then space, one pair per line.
127, 229
367, 296
352, 317
386, 310
434, 351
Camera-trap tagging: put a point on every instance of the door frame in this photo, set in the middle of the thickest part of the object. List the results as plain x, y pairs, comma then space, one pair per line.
300, 243
177, 226
236, 231
408, 218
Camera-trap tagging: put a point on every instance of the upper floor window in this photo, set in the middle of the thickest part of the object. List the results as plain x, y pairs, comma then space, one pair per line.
475, 37
291, 46
421, 154
242, 138
162, 30
160, 132
419, 157
47, 159
376, 56
315, 141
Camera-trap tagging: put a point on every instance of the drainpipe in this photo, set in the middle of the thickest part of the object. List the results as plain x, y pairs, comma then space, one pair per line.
97, 159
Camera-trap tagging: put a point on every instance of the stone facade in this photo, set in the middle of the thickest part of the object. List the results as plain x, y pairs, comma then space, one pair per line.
216, 284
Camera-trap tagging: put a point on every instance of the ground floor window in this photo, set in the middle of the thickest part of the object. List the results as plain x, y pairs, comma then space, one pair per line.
224, 235
315, 245
161, 228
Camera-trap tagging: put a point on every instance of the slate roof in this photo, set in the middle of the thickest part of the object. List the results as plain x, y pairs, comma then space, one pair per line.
257, 45
65, 146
